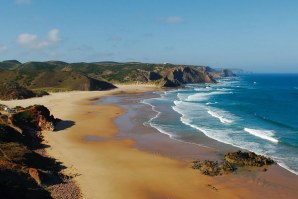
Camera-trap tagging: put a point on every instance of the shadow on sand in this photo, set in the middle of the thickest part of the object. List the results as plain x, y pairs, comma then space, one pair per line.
64, 124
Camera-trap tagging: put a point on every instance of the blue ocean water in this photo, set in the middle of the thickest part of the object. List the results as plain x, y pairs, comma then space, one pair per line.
257, 112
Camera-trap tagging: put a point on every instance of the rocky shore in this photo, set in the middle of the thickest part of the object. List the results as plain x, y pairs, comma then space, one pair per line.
26, 170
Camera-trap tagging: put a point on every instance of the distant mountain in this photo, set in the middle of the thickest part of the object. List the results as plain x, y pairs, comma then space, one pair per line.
63, 76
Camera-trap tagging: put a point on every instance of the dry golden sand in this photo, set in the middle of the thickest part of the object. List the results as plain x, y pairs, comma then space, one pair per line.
115, 168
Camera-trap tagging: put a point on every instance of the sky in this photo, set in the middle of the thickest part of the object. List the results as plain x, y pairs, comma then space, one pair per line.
255, 35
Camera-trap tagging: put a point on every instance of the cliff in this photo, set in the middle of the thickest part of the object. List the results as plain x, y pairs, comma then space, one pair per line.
25, 171
185, 75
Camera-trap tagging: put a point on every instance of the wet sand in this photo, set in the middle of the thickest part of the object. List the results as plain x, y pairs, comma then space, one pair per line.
132, 161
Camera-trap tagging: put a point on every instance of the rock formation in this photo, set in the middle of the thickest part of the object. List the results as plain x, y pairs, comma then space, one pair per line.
232, 161
247, 159
184, 75
207, 167
34, 119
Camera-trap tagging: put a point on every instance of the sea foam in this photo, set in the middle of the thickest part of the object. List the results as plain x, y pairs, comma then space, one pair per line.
203, 96
221, 118
264, 134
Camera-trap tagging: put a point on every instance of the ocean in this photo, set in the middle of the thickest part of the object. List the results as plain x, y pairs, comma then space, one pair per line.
256, 112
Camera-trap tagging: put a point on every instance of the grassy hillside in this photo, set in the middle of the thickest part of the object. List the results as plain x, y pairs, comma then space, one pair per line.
61, 76
48, 76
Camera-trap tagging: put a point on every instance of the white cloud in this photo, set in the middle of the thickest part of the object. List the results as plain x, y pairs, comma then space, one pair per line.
32, 41
173, 20
3, 49
53, 35
23, 2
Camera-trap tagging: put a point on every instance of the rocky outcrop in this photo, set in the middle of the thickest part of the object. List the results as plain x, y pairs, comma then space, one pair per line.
26, 172
34, 119
232, 161
207, 167
213, 168
240, 158
178, 76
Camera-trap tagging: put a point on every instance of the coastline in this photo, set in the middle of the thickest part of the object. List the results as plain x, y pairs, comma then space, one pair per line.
127, 168
276, 182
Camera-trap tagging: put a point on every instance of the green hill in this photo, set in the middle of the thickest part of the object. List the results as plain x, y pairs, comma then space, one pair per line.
62, 76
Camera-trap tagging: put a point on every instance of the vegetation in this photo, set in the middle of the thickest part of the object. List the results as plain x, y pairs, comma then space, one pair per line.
55, 76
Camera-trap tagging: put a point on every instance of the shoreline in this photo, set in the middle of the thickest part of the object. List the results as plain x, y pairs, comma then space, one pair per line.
99, 172
221, 145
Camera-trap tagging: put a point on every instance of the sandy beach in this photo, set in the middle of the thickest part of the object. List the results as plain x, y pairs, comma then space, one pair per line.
122, 168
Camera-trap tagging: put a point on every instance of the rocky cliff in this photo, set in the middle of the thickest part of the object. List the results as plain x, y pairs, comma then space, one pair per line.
33, 120
26, 172
171, 77
184, 75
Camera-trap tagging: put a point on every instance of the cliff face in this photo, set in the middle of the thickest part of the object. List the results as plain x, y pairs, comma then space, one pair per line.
34, 119
171, 77
184, 75
24, 172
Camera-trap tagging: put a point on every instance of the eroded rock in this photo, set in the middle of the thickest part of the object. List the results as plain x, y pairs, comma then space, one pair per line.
232, 161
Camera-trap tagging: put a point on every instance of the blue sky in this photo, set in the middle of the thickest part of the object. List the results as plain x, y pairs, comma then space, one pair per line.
256, 35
